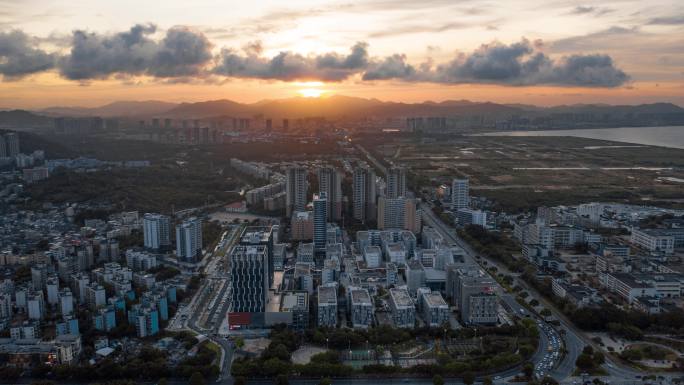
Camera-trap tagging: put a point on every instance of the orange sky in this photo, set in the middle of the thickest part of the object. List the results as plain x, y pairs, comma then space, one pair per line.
643, 40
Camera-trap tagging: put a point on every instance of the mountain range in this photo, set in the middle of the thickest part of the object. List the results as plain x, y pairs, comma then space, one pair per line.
330, 107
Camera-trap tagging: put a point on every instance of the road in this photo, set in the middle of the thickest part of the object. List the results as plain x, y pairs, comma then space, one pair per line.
210, 303
574, 339
543, 360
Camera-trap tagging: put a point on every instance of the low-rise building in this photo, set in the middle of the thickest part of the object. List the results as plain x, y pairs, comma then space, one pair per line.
402, 307
327, 306
435, 310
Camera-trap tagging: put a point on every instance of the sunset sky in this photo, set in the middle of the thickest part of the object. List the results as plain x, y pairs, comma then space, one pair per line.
91, 52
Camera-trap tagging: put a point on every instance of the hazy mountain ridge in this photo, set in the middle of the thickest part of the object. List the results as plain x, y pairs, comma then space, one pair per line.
114, 109
337, 106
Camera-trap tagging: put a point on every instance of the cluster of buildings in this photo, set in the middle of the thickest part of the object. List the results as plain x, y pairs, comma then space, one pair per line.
386, 277
455, 197
157, 237
639, 266
76, 278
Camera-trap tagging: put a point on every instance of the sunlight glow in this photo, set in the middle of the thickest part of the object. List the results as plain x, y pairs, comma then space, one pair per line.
311, 89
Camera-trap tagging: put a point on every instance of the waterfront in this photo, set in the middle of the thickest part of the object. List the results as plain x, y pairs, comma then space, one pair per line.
665, 136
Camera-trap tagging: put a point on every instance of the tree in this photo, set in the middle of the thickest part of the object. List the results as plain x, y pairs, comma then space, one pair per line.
240, 380
528, 369
325, 381
487, 381
468, 378
585, 361
599, 358
281, 380
437, 380
548, 381
196, 379
239, 342
162, 381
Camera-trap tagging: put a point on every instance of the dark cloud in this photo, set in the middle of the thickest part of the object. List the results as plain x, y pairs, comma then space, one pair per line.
185, 55
292, 66
182, 52
667, 20
607, 38
392, 67
19, 56
590, 10
517, 64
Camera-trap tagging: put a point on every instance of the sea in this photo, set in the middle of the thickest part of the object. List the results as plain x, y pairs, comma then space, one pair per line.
664, 136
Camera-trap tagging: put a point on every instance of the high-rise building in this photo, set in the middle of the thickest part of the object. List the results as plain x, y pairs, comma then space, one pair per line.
157, 231
66, 302
460, 194
52, 289
12, 144
3, 147
249, 278
301, 226
396, 182
39, 274
398, 213
364, 194
261, 236
320, 210
189, 240
35, 303
96, 296
296, 189
330, 183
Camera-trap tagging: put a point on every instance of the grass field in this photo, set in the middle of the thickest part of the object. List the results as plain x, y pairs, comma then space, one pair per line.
524, 172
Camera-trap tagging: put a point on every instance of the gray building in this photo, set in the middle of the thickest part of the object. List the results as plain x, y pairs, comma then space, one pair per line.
364, 194
435, 310
402, 307
249, 278
361, 308
327, 306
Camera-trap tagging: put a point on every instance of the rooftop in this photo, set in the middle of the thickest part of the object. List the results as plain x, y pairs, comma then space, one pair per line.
401, 297
256, 235
297, 300
434, 299
360, 297
327, 295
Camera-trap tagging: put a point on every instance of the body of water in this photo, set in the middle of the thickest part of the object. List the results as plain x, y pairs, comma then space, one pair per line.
665, 136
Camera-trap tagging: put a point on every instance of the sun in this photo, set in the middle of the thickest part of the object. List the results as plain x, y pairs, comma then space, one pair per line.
311, 89
311, 92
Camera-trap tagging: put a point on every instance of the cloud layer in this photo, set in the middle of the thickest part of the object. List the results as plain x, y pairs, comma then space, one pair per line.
288, 66
182, 52
185, 53
19, 57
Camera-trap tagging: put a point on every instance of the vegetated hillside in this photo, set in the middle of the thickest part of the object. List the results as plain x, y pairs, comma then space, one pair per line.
22, 118
118, 109
156, 189
29, 142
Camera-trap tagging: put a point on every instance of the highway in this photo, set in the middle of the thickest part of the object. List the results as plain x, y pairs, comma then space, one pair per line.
573, 339
543, 360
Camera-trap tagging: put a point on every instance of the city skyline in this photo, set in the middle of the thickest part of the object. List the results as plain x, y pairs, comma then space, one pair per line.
616, 52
